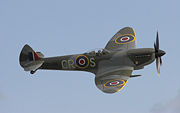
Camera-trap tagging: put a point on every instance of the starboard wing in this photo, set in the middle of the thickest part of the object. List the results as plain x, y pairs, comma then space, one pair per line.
113, 82
123, 39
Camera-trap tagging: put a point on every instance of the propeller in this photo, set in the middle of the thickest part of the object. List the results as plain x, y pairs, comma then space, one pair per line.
158, 54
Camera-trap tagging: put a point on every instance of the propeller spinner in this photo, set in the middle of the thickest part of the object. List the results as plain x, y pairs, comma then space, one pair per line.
158, 54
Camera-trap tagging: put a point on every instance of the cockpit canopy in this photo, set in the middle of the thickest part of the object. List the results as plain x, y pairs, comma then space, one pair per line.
98, 52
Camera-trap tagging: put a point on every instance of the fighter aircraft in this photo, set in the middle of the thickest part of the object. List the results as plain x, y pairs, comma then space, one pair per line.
112, 66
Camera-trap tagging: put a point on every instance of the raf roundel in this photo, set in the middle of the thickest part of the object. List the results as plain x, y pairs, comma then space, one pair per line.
82, 61
124, 39
114, 83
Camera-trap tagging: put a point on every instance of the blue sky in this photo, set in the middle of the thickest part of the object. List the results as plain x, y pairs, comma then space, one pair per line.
57, 27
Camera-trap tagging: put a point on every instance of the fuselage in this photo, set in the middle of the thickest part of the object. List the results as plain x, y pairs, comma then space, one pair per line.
96, 62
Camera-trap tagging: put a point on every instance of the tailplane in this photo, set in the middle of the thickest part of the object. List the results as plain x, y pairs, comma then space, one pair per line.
29, 59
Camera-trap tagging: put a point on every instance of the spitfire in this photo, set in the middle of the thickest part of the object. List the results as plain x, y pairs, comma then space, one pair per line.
112, 66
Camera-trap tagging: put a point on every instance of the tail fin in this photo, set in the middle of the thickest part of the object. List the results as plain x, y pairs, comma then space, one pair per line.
29, 59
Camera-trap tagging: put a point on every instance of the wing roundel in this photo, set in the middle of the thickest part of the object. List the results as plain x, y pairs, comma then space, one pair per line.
111, 83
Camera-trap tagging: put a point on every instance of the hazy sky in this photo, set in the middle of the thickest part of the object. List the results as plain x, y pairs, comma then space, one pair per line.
57, 27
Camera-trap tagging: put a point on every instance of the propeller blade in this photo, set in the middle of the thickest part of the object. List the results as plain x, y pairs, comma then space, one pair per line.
155, 47
158, 65
157, 41
160, 61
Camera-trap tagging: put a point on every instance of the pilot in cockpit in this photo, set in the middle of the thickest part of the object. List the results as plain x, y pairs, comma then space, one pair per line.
99, 52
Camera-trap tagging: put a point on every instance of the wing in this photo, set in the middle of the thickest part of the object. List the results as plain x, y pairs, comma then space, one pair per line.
123, 39
113, 82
